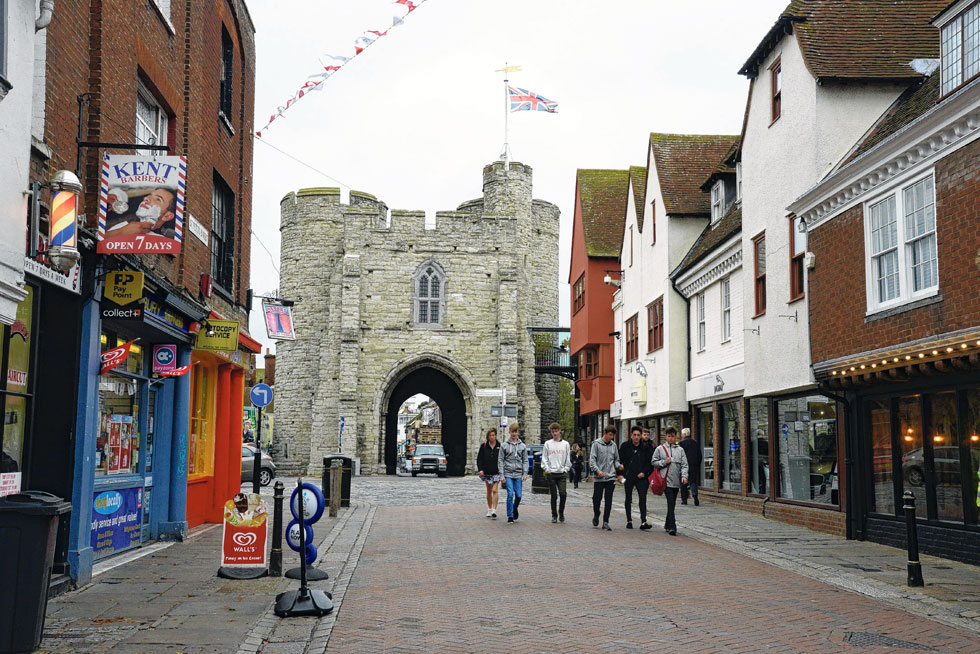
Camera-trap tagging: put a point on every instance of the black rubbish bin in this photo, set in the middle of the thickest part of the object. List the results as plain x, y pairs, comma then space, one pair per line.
347, 464
539, 482
28, 525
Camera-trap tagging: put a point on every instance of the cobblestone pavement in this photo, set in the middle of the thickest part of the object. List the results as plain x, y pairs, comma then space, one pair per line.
415, 566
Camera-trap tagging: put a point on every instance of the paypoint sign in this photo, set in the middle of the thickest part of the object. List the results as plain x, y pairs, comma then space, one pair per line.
220, 335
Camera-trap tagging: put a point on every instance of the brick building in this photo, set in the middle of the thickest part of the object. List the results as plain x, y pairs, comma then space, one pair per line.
111, 76
894, 311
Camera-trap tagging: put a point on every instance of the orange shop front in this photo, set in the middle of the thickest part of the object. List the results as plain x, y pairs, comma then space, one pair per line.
214, 434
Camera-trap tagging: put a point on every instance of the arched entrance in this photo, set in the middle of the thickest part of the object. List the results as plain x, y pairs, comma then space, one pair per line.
440, 387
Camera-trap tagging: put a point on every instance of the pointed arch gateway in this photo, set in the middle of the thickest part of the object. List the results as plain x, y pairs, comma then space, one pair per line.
449, 387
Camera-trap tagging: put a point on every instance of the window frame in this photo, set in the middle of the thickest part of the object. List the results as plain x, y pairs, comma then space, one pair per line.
591, 362
725, 289
631, 246
655, 325
578, 294
946, 67
702, 323
222, 246
440, 300
738, 181
759, 279
160, 131
632, 339
797, 275
776, 91
906, 294
226, 75
717, 201
653, 221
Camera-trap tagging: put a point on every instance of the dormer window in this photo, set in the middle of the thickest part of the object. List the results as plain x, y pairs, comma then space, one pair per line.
717, 201
776, 85
961, 48
738, 181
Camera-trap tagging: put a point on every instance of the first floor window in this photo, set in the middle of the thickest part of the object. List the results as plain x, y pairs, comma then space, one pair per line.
591, 363
726, 309
655, 325
759, 246
902, 257
632, 349
702, 327
151, 121
222, 234
578, 291
797, 251
430, 290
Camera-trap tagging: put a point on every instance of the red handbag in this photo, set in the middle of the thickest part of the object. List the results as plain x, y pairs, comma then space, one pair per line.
658, 478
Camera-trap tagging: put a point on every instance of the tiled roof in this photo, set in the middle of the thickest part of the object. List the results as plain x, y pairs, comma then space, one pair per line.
914, 102
602, 194
712, 236
725, 167
638, 178
683, 162
850, 39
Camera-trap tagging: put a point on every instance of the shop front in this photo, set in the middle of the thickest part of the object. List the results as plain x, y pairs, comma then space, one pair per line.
131, 468
217, 389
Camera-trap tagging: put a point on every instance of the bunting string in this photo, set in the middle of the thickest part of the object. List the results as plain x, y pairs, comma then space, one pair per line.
330, 64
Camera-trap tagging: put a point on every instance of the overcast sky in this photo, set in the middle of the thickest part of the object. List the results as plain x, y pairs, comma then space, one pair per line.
416, 116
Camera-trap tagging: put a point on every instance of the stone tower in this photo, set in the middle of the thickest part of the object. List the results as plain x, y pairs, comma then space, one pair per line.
387, 308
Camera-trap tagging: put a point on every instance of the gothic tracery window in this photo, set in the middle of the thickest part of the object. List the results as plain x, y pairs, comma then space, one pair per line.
430, 291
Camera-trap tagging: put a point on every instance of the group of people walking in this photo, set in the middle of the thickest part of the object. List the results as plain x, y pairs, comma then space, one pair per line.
631, 465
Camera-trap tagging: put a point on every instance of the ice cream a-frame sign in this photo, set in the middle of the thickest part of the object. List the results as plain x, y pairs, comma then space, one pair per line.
141, 204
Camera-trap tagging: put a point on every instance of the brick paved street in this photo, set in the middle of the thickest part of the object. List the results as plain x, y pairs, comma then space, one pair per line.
416, 567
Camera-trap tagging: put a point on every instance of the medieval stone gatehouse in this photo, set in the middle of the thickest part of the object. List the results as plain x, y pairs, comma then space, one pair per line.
387, 308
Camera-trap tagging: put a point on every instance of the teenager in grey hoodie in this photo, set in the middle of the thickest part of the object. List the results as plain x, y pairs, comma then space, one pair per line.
512, 463
604, 460
672, 461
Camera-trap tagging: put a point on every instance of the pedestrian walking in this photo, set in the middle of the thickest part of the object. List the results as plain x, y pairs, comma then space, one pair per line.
646, 436
487, 465
556, 461
512, 463
604, 460
693, 452
669, 457
636, 462
578, 462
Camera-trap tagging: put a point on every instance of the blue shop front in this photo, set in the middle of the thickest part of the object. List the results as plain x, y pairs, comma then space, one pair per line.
130, 482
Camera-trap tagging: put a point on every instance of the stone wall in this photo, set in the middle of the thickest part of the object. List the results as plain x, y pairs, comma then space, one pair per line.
351, 270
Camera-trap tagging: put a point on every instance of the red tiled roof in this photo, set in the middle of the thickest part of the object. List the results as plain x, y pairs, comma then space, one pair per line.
602, 194
638, 178
683, 162
856, 39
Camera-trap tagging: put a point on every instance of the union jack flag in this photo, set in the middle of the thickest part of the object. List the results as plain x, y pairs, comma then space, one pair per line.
524, 100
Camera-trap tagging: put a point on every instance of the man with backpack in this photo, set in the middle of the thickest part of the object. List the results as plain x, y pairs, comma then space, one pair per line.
635, 459
670, 459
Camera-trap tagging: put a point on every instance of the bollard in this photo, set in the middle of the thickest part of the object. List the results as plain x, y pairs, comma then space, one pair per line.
275, 556
915, 568
256, 469
336, 472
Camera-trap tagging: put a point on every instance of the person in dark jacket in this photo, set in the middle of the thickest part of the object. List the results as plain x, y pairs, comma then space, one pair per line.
578, 462
636, 463
489, 471
693, 452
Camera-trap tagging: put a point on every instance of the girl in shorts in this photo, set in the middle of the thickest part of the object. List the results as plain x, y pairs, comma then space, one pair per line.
486, 465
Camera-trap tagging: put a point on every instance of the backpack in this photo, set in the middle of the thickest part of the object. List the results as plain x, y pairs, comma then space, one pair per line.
658, 478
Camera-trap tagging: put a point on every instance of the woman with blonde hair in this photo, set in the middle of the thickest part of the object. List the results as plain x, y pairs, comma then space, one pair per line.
487, 467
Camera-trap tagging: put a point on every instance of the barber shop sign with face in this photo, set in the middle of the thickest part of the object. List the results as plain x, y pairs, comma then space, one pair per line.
141, 204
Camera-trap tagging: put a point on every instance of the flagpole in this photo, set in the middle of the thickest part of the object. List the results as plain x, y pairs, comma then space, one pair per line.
505, 155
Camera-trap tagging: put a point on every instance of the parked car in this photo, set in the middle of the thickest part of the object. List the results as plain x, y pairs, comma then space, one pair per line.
267, 471
429, 457
946, 465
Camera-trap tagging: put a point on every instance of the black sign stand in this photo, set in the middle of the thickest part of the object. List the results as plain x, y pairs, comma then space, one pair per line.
303, 601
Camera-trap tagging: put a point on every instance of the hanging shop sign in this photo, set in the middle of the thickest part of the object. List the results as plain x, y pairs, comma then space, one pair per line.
164, 358
244, 532
219, 335
123, 287
116, 520
141, 204
112, 358
278, 321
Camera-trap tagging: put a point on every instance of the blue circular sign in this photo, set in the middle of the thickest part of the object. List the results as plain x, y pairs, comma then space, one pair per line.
313, 503
165, 356
261, 395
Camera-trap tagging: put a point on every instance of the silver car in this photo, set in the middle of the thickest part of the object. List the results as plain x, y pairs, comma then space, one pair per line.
267, 471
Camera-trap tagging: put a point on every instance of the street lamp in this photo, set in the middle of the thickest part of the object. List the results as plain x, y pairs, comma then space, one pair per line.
62, 249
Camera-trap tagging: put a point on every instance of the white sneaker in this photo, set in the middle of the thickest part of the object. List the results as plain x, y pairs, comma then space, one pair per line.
489, 511
493, 514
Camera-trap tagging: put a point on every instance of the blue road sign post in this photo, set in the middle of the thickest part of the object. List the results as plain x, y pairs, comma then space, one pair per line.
260, 395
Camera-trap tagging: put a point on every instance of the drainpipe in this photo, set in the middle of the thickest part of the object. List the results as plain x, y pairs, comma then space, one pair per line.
47, 9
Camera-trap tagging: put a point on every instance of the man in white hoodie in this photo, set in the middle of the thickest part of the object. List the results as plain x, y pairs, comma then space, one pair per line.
556, 461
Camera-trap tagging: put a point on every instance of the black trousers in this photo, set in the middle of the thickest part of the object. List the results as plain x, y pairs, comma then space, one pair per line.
671, 495
641, 486
575, 475
600, 489
690, 488
556, 485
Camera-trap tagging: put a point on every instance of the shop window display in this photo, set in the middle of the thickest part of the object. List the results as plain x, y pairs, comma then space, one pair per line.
807, 449
972, 434
911, 449
117, 446
706, 436
883, 476
946, 457
16, 391
731, 443
200, 454
758, 446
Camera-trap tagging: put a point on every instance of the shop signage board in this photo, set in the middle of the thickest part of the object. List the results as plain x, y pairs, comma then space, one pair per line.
220, 335
9, 483
172, 318
123, 287
116, 520
141, 204
164, 358
69, 280
244, 532
119, 444
278, 321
